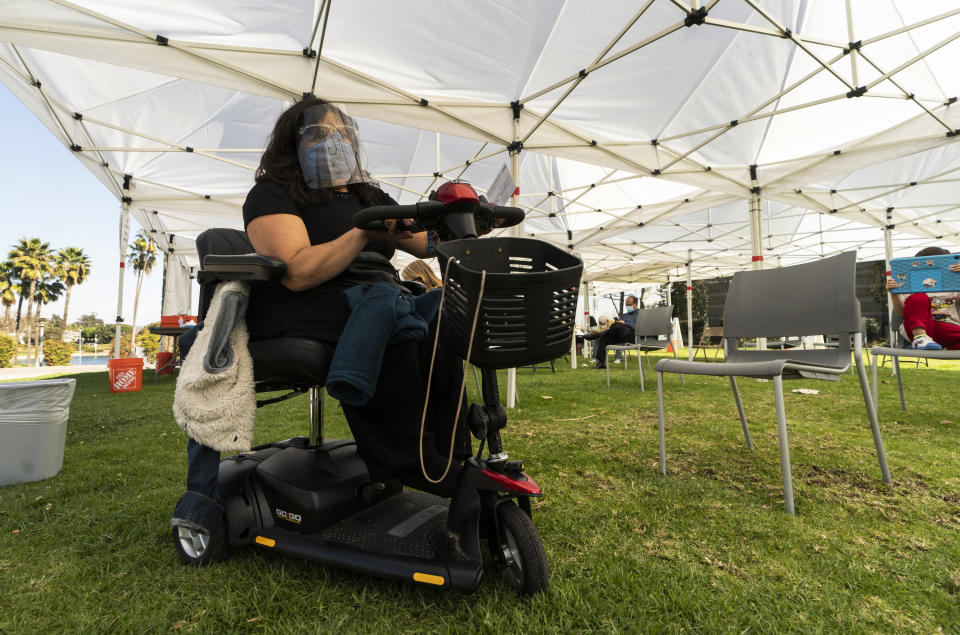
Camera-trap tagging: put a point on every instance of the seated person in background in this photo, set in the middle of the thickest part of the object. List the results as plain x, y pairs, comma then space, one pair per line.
582, 334
931, 320
419, 271
620, 332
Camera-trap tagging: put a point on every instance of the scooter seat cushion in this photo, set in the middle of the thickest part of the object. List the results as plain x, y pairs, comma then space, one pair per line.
292, 359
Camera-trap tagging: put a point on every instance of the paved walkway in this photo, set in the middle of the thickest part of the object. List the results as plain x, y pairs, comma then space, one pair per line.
30, 372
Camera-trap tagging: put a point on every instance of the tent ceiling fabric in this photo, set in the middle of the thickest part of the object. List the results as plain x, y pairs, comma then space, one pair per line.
638, 123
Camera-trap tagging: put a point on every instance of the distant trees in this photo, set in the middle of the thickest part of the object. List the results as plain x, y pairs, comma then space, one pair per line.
142, 257
73, 266
88, 320
33, 260
35, 273
9, 288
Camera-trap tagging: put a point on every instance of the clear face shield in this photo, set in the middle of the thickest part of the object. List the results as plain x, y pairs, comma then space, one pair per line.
329, 149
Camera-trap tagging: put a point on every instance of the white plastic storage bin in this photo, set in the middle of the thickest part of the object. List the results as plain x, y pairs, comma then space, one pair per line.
33, 428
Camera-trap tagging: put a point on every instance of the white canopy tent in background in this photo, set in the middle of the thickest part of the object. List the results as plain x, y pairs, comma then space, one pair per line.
643, 130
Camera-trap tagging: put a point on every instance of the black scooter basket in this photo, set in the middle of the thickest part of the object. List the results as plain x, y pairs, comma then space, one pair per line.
529, 299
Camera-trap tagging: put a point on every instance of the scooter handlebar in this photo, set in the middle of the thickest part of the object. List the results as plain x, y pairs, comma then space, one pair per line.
373, 217
510, 215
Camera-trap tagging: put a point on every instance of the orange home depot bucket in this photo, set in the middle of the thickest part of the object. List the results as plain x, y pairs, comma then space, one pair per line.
163, 359
126, 375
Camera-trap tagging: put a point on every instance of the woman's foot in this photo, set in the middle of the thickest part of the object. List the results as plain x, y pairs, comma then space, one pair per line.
925, 343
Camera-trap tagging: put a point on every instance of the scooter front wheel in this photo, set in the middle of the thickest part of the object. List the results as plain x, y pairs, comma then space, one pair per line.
199, 546
520, 552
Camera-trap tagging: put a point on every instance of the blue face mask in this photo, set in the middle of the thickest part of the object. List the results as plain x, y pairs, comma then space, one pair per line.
329, 163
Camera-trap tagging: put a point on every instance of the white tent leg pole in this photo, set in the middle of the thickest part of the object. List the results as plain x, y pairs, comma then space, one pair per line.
516, 231
690, 305
888, 255
124, 232
756, 242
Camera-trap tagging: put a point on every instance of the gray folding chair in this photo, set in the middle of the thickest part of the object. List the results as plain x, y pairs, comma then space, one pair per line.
650, 325
900, 349
816, 298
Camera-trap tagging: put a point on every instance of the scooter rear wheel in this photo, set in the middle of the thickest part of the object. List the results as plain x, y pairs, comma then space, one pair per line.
522, 559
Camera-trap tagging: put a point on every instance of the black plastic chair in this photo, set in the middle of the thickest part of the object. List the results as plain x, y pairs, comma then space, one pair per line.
817, 298
650, 325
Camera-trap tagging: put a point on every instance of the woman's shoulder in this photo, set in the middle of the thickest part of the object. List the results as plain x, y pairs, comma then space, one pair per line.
268, 197
269, 187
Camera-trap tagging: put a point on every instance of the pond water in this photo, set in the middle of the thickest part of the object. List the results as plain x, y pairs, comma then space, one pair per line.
88, 359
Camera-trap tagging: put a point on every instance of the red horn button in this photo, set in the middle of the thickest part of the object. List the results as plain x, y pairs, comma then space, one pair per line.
454, 191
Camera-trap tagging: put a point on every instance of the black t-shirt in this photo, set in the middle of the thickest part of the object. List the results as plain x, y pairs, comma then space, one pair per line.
318, 313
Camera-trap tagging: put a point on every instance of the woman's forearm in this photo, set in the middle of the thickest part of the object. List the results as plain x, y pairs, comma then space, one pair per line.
316, 264
416, 245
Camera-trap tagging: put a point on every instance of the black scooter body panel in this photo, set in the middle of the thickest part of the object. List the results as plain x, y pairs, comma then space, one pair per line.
401, 538
308, 489
307, 502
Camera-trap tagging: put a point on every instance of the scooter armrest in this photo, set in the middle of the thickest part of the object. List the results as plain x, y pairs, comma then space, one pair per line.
252, 267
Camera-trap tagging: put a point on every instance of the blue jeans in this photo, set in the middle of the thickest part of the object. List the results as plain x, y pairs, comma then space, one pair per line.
199, 503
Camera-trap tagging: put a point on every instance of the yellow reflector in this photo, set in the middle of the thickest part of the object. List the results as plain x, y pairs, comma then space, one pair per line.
428, 579
266, 542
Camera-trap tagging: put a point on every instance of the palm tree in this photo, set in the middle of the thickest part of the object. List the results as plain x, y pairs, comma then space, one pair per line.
142, 257
33, 259
8, 291
48, 289
73, 266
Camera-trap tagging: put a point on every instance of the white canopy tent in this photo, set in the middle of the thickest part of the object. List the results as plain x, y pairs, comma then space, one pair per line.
643, 130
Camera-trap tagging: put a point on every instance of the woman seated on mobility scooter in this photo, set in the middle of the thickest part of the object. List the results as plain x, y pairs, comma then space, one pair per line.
310, 182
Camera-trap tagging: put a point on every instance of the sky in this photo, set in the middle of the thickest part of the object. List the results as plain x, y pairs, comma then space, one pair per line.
46, 193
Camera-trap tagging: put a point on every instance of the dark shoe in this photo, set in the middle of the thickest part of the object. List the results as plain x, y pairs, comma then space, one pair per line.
601, 366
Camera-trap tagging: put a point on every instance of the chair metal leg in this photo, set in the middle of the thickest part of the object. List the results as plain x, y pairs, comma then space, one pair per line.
899, 371
874, 424
682, 383
606, 364
876, 386
784, 448
660, 433
743, 418
640, 368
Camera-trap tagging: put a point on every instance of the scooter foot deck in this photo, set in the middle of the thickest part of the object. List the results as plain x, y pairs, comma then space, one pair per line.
403, 538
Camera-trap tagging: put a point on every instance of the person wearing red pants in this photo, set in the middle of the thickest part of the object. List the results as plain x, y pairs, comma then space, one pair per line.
931, 320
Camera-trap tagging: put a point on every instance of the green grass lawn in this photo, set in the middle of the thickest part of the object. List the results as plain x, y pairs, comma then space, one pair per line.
707, 548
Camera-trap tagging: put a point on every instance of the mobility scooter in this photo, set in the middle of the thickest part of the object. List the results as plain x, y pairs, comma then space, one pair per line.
507, 302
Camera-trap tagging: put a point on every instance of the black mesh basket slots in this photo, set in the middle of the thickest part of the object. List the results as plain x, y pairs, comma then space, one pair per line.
529, 299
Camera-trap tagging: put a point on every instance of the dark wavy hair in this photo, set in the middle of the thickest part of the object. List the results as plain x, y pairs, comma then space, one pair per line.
280, 162
931, 251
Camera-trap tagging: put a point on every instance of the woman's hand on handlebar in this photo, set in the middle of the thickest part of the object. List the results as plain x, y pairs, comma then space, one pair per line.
395, 229
483, 231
